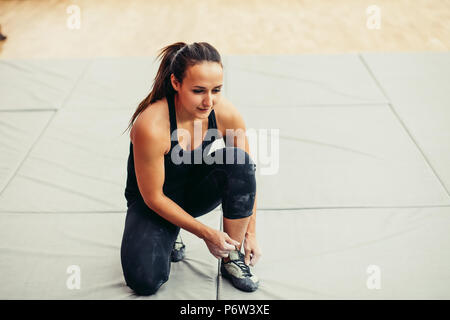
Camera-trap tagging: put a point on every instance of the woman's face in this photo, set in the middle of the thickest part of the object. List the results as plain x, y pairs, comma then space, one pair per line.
200, 90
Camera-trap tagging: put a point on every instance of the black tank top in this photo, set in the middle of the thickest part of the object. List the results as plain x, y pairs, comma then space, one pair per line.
177, 172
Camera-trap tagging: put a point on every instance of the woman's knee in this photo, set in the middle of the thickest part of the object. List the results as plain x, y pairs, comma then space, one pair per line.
242, 171
146, 284
239, 206
241, 185
235, 155
229, 156
239, 165
144, 272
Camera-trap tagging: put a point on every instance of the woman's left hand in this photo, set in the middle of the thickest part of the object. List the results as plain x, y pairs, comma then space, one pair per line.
251, 248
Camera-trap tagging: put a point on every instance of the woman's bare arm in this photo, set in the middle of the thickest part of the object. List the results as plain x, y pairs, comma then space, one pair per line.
231, 119
148, 149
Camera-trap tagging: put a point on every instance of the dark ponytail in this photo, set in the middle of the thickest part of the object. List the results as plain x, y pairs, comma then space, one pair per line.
175, 58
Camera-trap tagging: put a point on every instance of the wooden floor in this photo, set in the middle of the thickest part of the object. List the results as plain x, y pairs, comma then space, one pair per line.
38, 29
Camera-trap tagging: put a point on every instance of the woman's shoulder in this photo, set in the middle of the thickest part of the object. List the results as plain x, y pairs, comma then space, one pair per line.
154, 121
226, 114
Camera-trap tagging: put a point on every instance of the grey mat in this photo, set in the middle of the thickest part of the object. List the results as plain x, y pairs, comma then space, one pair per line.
271, 81
114, 83
79, 164
363, 141
346, 156
37, 250
328, 254
38, 84
18, 133
418, 85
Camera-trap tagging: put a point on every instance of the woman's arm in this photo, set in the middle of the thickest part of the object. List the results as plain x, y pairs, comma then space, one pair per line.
231, 119
251, 228
148, 151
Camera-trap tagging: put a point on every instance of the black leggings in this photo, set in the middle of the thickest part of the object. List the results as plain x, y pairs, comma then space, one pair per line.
148, 238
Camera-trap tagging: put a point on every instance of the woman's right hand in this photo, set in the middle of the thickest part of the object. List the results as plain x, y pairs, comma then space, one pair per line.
219, 243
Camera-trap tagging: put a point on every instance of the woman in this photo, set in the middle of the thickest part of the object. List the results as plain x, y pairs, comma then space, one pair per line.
165, 194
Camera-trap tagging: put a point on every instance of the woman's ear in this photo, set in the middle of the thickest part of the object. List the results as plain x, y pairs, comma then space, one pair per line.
175, 83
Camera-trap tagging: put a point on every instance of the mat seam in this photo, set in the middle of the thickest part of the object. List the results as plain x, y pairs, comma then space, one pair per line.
88, 64
30, 110
391, 106
55, 112
27, 153
258, 210
218, 262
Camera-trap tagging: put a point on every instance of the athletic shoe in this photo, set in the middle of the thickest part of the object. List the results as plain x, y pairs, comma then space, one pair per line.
239, 273
178, 250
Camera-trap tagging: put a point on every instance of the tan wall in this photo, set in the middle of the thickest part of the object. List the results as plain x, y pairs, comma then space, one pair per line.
140, 27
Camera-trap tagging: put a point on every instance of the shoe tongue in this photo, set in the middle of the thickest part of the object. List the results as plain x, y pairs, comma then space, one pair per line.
234, 255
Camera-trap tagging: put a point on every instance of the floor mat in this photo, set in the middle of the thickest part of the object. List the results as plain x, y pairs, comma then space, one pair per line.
38, 83
417, 84
353, 201
42, 256
351, 254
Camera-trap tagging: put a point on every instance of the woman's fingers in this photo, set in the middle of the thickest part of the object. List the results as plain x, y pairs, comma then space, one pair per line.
218, 252
228, 247
255, 258
248, 258
231, 241
221, 245
221, 254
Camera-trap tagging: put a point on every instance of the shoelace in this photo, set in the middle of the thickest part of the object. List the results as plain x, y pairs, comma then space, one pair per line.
180, 242
241, 264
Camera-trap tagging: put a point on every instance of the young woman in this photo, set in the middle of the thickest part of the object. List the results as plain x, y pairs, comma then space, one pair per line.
175, 175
